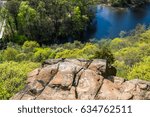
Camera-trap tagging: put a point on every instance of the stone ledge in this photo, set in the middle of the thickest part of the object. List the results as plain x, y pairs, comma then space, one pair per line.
78, 79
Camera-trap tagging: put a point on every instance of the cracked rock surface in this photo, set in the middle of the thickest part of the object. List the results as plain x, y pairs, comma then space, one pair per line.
74, 79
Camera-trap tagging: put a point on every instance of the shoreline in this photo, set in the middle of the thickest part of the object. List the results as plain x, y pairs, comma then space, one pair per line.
109, 5
124, 7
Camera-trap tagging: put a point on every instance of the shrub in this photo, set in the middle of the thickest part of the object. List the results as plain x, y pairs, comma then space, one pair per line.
13, 77
104, 53
75, 44
87, 52
21, 57
41, 54
1, 57
122, 68
75, 53
118, 43
52, 55
129, 55
141, 70
64, 54
144, 48
10, 54
145, 36
29, 46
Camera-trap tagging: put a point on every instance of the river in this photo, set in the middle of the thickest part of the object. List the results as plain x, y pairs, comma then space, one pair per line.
109, 21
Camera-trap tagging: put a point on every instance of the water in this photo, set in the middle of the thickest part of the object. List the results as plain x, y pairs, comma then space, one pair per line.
109, 21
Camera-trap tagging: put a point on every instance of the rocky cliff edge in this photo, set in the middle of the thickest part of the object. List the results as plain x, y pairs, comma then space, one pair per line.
74, 79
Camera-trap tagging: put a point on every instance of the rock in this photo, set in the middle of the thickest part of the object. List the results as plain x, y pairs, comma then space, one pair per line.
89, 85
118, 80
65, 76
98, 66
57, 94
137, 88
47, 73
108, 91
125, 96
18, 96
37, 88
78, 62
147, 95
28, 97
78, 79
143, 86
32, 75
128, 86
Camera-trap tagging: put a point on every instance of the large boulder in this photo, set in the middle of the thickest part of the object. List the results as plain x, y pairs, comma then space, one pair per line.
71, 79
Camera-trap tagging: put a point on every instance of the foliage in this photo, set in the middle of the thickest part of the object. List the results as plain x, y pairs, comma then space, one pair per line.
13, 77
141, 70
122, 68
130, 54
87, 52
145, 37
104, 53
46, 21
41, 54
33, 25
119, 43
29, 46
126, 3
117, 2
10, 54
21, 57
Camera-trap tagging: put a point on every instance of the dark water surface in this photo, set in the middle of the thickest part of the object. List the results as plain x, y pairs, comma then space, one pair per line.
109, 21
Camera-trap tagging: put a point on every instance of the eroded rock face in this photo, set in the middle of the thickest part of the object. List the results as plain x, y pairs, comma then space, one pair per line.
73, 79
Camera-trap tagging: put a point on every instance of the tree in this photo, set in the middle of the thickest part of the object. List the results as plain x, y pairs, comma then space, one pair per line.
48, 21
26, 16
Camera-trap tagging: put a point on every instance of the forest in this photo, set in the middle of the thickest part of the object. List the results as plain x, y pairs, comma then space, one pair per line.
39, 20
37, 30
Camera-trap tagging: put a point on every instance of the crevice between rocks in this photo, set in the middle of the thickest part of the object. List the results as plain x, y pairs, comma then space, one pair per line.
48, 82
102, 82
77, 77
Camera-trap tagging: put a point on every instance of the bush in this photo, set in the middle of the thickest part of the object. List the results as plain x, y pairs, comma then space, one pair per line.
122, 68
104, 53
129, 55
1, 57
10, 54
52, 55
87, 52
65, 54
144, 48
41, 54
141, 70
29, 46
13, 77
21, 57
145, 36
118, 43
75, 44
